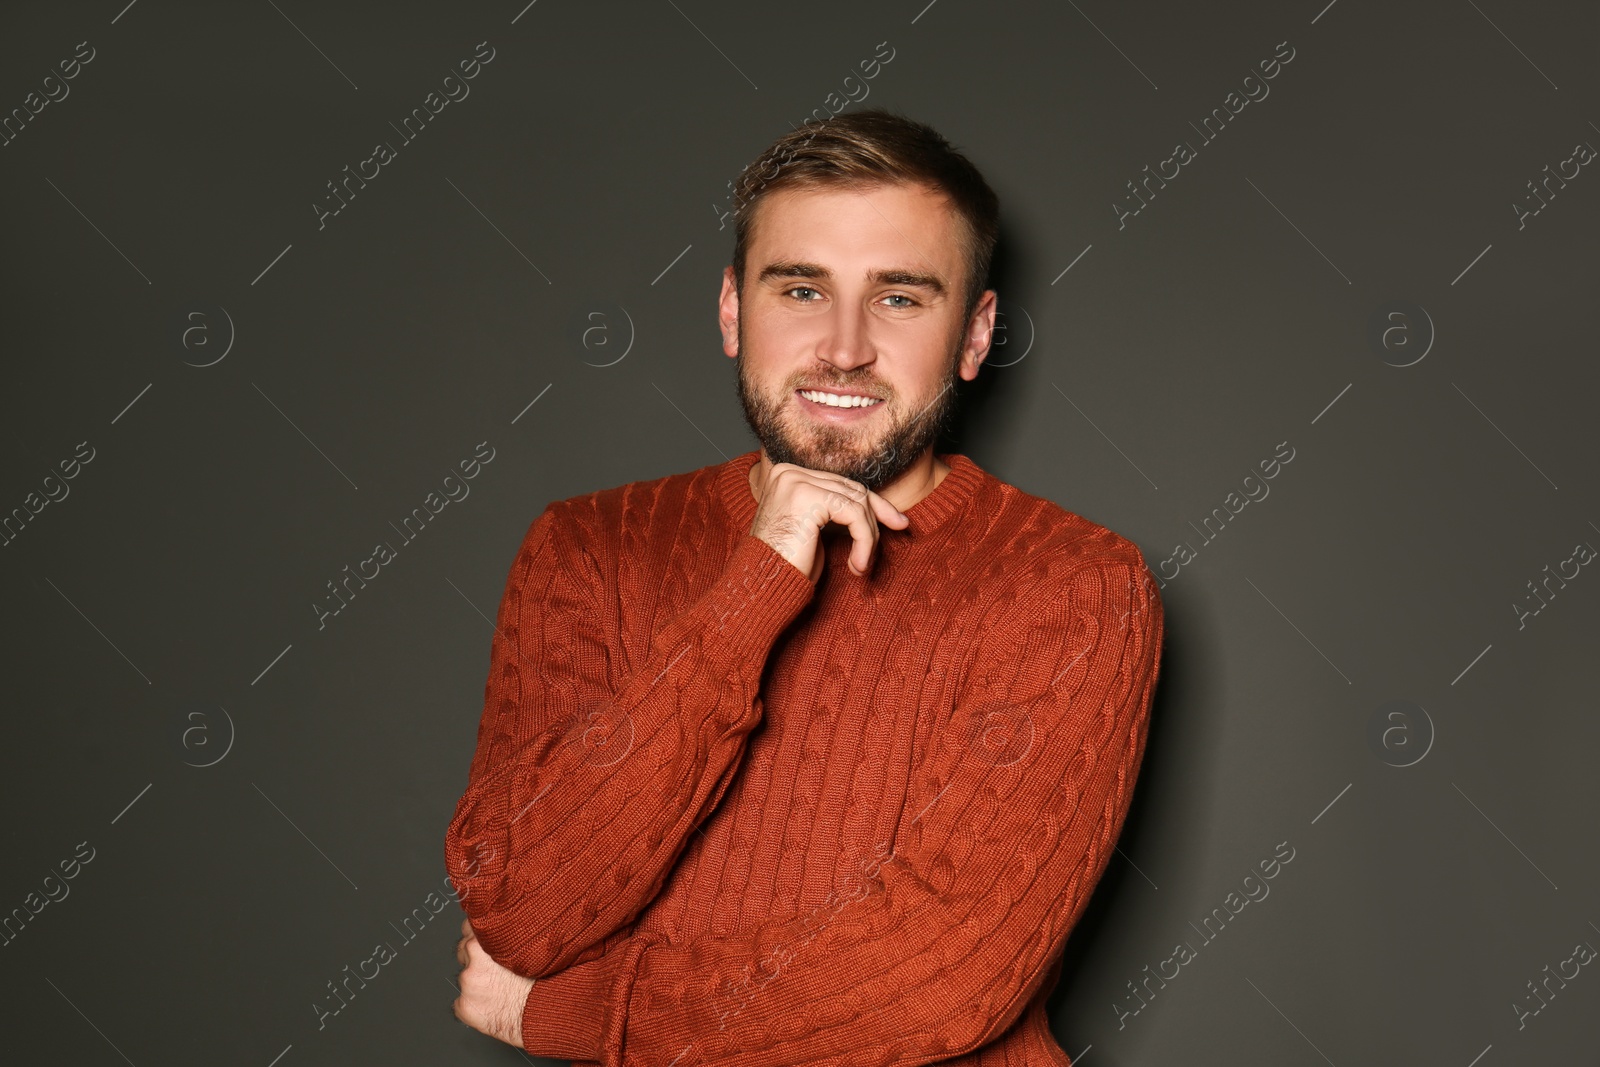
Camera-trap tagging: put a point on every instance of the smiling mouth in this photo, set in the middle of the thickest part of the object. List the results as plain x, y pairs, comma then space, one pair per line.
839, 401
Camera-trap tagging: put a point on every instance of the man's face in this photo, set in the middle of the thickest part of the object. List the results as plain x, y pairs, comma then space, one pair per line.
853, 292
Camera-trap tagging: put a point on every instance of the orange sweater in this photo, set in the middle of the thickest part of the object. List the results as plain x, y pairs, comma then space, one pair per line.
726, 817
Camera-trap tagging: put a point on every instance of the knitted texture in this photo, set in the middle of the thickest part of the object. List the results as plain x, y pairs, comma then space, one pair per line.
724, 816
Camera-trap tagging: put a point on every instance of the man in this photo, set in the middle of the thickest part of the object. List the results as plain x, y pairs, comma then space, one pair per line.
815, 755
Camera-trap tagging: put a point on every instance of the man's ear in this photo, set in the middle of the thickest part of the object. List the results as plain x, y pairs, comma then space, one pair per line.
728, 313
979, 335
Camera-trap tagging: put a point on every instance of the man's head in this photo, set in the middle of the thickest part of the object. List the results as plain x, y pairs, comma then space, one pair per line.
862, 247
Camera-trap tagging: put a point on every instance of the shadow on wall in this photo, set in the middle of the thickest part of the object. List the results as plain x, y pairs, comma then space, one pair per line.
1166, 830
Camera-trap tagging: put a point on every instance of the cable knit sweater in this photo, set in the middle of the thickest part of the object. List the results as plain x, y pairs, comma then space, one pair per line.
724, 816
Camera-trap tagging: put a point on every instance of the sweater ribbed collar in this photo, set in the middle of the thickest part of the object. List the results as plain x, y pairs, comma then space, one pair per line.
948, 498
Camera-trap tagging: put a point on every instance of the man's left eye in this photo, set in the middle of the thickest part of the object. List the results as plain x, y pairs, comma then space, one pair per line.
901, 296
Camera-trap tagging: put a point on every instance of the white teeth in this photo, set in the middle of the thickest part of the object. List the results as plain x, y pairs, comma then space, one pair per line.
835, 401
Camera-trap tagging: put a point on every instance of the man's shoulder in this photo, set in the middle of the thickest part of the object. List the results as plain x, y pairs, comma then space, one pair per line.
599, 514
1056, 539
1058, 556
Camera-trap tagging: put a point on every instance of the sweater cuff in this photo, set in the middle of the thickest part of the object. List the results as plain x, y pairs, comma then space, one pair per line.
564, 1013
758, 595
578, 1013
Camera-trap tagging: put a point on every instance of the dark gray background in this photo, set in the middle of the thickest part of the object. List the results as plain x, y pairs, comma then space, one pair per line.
163, 609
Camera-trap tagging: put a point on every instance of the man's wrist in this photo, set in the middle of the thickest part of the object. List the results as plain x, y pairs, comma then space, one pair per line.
511, 1026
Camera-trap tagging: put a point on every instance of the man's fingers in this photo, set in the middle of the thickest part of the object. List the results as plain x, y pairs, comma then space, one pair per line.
848, 504
470, 951
887, 513
863, 528
797, 503
466, 1014
862, 514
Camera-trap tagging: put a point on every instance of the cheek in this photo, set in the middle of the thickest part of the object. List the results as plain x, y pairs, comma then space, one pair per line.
937, 352
760, 336
778, 334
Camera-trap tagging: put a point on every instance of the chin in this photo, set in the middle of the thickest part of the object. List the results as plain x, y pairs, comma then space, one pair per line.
830, 458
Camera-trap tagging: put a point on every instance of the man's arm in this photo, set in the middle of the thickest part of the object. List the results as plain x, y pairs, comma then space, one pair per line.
1004, 835
581, 795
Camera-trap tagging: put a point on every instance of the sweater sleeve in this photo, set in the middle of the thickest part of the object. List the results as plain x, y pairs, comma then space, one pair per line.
946, 938
583, 791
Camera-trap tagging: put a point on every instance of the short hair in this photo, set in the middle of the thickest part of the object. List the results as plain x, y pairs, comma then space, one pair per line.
863, 149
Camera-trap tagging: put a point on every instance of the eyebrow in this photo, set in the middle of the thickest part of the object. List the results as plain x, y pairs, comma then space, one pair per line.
908, 278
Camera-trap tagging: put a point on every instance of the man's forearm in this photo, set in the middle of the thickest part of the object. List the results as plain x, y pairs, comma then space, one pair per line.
559, 840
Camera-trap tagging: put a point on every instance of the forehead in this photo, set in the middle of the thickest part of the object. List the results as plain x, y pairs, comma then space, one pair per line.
904, 223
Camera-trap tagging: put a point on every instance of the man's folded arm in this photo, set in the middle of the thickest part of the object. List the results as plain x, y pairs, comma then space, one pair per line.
946, 939
583, 791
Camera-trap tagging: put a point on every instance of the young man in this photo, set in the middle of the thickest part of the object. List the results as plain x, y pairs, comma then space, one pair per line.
813, 756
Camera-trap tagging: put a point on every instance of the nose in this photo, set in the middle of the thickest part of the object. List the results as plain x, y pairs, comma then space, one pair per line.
847, 343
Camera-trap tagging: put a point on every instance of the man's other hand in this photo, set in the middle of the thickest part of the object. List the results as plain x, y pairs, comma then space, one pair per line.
492, 998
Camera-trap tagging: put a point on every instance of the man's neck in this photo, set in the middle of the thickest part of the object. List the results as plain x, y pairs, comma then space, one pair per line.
922, 478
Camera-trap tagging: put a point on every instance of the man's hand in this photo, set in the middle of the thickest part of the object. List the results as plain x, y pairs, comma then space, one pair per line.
795, 503
492, 998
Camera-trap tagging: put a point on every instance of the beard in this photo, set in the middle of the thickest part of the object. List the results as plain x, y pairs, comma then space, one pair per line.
874, 453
